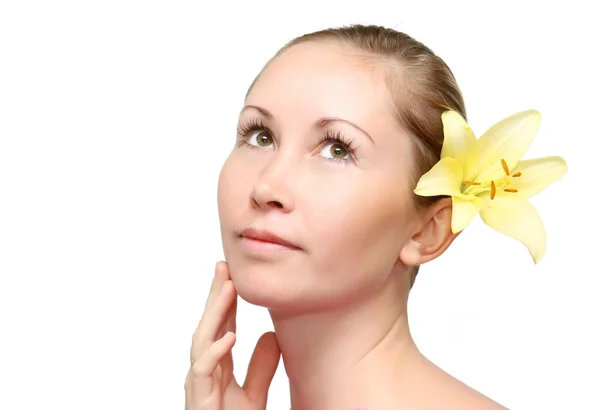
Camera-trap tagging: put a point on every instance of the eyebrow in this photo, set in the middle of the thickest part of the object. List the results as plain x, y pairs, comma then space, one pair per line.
320, 123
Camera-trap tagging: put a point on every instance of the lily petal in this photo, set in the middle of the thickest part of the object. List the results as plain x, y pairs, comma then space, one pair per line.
507, 140
516, 217
445, 178
459, 138
537, 174
463, 212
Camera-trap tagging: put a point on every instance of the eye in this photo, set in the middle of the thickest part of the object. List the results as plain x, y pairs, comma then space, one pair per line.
260, 138
335, 150
336, 147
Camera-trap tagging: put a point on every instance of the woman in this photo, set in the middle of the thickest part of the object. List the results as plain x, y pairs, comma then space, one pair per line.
320, 223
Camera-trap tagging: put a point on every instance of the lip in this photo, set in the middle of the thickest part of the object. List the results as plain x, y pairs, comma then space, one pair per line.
267, 240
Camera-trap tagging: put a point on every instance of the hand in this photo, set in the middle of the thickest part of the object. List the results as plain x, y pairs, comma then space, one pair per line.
210, 384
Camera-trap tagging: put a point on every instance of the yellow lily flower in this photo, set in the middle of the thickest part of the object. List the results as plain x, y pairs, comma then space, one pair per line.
486, 176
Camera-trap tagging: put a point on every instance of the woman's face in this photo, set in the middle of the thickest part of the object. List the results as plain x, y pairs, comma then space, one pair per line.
321, 163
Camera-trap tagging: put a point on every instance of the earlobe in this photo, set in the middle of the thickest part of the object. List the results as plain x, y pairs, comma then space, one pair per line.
434, 236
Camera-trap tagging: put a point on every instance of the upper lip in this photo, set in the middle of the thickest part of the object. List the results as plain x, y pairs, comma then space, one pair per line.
266, 236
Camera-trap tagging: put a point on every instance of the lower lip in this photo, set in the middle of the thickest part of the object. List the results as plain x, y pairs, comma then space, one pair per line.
256, 246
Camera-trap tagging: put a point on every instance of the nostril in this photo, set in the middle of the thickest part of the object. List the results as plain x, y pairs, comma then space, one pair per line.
276, 204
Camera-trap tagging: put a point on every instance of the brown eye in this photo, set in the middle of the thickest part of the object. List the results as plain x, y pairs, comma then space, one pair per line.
261, 139
264, 139
338, 151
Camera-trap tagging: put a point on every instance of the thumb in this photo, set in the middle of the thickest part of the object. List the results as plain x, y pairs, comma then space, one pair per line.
261, 369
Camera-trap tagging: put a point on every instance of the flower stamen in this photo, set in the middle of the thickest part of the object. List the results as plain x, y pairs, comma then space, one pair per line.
516, 175
505, 167
511, 190
493, 191
471, 183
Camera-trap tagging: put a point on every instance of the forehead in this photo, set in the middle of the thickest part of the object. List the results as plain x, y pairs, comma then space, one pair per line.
313, 79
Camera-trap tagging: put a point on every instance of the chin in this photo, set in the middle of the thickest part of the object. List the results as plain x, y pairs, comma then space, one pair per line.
263, 284
280, 286
288, 290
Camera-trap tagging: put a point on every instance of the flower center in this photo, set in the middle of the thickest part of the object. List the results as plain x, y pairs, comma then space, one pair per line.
478, 187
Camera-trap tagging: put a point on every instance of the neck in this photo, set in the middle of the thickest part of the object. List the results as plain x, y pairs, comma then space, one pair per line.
349, 357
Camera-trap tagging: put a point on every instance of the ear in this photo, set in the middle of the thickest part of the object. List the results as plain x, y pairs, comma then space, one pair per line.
433, 235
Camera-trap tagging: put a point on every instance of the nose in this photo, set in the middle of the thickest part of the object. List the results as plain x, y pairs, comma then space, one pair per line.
272, 192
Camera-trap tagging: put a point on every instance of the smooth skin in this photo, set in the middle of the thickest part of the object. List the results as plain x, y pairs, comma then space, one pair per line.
338, 301
210, 384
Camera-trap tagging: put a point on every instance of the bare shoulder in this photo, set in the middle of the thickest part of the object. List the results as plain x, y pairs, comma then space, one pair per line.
453, 394
457, 395
449, 393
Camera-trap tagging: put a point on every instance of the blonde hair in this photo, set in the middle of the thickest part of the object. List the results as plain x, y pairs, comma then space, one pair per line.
421, 85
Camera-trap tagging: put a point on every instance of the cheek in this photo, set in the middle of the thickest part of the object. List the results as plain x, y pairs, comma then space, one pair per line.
231, 192
359, 227
234, 181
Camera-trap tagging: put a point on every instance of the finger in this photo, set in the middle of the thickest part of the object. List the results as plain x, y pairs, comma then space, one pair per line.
212, 319
261, 369
201, 372
229, 326
221, 275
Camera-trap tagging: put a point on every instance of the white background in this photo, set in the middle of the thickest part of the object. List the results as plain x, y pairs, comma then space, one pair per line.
115, 118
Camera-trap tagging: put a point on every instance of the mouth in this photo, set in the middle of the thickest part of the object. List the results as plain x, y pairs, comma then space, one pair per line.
266, 240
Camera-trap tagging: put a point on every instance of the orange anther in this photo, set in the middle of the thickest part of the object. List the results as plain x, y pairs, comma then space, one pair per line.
493, 191
471, 183
505, 167
517, 174
510, 190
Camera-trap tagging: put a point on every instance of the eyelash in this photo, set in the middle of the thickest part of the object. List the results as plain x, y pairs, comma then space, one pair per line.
331, 137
